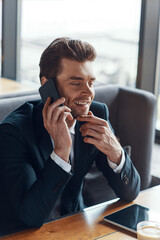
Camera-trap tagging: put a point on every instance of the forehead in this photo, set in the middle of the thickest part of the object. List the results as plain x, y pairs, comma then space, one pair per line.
74, 67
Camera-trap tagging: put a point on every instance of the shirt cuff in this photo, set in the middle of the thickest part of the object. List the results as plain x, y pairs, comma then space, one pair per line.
117, 168
64, 165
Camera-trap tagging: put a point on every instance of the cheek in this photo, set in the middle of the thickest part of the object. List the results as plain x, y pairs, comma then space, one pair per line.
63, 93
68, 99
93, 93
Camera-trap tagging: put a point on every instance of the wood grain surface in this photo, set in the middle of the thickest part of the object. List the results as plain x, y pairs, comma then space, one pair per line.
89, 224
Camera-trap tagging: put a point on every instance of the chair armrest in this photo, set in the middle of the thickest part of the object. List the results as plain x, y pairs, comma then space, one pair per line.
136, 127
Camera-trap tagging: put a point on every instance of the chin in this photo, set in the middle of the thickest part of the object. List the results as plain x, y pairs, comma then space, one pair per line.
76, 114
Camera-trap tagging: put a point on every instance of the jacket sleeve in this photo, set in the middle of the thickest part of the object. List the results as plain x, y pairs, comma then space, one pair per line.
125, 184
33, 192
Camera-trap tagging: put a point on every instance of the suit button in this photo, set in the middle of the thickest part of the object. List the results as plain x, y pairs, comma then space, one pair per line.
125, 179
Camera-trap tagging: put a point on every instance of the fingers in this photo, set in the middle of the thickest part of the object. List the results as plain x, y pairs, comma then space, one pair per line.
54, 104
53, 111
92, 119
94, 127
86, 129
91, 141
65, 115
90, 113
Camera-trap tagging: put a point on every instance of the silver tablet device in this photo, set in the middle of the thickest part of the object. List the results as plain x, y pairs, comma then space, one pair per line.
129, 217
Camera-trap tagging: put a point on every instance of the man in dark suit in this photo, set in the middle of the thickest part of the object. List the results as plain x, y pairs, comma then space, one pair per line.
46, 150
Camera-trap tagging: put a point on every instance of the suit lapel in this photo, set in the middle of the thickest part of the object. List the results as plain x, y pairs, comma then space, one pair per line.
45, 145
43, 138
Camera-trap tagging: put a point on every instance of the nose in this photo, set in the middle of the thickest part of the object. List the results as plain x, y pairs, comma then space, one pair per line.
87, 90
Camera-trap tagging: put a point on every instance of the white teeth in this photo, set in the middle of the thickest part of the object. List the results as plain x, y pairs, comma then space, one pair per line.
81, 103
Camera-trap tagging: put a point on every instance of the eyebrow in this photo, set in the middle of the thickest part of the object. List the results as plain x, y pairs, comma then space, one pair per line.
80, 78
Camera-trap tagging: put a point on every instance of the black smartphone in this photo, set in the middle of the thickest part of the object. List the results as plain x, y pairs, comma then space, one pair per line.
49, 89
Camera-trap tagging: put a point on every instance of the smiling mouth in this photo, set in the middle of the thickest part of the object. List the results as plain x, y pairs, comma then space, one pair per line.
81, 103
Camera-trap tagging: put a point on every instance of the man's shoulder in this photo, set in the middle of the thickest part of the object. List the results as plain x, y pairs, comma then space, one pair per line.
99, 109
23, 115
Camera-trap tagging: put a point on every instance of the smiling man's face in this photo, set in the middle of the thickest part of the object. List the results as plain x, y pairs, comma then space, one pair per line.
75, 83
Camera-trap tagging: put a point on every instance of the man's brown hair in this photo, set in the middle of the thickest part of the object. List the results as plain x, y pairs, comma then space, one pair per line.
64, 48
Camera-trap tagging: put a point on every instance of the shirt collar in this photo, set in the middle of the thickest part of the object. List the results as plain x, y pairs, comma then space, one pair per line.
72, 128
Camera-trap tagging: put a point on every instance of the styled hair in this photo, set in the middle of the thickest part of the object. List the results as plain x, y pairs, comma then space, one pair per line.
50, 61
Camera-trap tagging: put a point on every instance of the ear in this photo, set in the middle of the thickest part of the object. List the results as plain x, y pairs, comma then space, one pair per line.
43, 80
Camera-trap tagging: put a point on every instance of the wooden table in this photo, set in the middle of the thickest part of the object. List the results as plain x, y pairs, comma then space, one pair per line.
10, 86
89, 224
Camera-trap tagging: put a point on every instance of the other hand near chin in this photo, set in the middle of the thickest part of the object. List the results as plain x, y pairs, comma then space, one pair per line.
97, 131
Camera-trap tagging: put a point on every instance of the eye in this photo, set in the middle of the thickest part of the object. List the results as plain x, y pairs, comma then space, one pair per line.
75, 83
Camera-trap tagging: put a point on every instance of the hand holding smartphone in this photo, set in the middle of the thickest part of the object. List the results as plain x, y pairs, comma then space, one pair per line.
49, 89
58, 132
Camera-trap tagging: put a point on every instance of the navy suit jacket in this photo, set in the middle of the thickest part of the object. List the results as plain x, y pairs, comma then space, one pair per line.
31, 182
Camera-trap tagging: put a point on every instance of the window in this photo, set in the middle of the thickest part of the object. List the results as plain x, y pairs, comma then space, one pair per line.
158, 111
111, 26
0, 31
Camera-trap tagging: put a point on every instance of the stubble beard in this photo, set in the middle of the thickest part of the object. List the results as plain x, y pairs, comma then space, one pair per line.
75, 114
